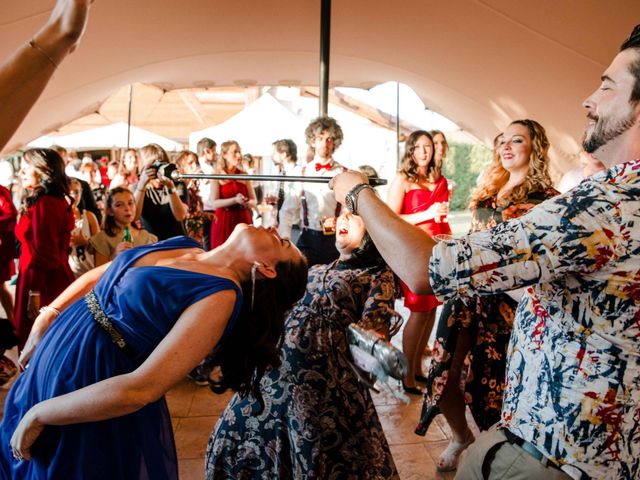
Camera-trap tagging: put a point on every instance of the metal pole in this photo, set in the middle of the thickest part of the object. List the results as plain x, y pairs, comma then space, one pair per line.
175, 175
397, 125
129, 115
325, 48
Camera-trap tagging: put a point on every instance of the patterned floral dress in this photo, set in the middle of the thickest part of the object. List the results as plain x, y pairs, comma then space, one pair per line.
318, 422
488, 321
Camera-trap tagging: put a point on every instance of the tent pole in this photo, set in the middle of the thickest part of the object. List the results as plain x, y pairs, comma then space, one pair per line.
325, 48
397, 125
129, 114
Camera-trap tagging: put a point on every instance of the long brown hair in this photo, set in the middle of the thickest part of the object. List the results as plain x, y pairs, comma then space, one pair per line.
222, 162
537, 179
408, 166
53, 181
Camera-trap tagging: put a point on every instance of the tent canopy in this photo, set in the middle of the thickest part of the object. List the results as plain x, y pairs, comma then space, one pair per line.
481, 63
110, 136
255, 128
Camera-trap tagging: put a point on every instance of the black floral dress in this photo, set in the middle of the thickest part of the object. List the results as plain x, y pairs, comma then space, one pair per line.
319, 421
488, 321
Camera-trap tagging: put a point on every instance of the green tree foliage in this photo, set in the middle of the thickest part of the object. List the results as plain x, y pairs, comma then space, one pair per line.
463, 164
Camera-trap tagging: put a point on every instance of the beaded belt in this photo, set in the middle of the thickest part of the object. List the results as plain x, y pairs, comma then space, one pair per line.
105, 323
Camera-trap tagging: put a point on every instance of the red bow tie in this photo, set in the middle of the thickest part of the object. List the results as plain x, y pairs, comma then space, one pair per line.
323, 167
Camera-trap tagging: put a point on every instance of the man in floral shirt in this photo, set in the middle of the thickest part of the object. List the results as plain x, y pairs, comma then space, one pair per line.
572, 400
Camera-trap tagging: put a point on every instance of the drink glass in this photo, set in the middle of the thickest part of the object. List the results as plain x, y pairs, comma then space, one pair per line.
442, 237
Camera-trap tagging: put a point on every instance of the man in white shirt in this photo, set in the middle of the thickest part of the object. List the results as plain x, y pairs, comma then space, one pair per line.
284, 157
207, 157
314, 203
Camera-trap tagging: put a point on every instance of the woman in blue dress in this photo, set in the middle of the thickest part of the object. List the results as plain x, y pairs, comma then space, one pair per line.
90, 404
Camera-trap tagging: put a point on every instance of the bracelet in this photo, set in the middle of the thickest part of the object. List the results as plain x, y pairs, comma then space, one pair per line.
171, 190
32, 43
351, 199
50, 309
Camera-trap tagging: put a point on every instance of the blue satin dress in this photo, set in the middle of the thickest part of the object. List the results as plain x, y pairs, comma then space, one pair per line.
143, 303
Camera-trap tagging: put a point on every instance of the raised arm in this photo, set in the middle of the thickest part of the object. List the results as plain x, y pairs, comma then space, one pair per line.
193, 336
406, 249
25, 74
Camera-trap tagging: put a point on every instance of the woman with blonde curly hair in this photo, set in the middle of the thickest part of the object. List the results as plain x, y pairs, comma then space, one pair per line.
472, 337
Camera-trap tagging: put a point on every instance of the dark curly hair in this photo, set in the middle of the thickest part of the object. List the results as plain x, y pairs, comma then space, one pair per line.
324, 124
253, 344
50, 167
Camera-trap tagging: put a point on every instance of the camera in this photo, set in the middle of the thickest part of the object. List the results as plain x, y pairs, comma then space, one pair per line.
164, 170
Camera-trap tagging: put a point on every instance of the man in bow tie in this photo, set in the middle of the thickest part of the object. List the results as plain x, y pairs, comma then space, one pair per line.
314, 203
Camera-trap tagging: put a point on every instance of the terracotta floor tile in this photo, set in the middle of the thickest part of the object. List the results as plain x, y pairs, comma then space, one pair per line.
192, 436
191, 469
206, 403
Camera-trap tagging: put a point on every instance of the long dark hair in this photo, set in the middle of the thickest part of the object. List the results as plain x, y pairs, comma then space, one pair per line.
408, 165
50, 167
253, 345
109, 224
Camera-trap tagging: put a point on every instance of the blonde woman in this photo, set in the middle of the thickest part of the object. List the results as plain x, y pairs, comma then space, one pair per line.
517, 179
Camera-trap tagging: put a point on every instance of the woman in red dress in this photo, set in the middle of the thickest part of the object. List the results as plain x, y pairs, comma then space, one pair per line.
420, 195
232, 199
44, 231
8, 216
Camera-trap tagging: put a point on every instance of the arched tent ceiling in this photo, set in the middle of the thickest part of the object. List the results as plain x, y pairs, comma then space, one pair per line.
479, 62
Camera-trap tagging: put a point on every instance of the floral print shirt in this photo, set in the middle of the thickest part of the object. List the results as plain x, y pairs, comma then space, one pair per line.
573, 375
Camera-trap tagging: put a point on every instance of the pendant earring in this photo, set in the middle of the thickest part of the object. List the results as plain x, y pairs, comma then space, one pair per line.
254, 269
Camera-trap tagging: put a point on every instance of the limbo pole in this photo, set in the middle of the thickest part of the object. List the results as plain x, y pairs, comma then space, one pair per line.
175, 175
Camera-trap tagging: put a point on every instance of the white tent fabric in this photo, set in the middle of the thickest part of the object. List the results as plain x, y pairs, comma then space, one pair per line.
255, 128
481, 63
110, 136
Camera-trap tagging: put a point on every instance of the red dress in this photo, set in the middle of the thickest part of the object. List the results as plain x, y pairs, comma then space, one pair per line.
418, 200
44, 232
228, 217
8, 216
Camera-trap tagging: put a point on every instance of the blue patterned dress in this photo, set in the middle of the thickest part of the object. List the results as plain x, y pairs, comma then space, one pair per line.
319, 421
143, 303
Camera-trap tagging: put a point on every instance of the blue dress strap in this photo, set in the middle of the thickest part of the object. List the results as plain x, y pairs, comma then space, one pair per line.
123, 261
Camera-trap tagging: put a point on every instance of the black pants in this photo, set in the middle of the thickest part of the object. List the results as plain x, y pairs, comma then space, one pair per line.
207, 234
317, 247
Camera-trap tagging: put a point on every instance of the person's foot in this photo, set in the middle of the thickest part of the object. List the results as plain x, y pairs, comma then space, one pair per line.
448, 460
412, 390
198, 377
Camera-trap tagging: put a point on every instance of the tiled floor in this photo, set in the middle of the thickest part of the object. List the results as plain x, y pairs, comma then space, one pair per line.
195, 410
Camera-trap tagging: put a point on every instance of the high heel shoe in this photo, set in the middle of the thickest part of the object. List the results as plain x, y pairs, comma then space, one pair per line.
429, 412
411, 390
448, 460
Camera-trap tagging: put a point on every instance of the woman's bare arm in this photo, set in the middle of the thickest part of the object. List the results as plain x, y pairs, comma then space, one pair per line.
25, 74
194, 335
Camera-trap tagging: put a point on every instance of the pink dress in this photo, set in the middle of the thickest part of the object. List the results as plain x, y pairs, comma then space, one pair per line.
228, 217
418, 200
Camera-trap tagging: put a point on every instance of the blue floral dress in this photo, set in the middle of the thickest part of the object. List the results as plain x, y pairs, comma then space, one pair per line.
319, 421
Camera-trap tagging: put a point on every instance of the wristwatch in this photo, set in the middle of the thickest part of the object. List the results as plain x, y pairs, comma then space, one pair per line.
351, 198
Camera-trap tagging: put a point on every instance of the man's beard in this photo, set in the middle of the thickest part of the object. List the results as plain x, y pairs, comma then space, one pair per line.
604, 132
